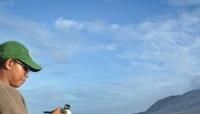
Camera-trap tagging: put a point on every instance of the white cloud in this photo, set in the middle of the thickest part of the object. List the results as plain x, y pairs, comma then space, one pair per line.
68, 24
96, 26
184, 2
164, 44
20, 25
36, 36
104, 47
4, 3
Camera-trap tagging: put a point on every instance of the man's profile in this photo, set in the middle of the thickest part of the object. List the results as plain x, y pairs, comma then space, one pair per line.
15, 64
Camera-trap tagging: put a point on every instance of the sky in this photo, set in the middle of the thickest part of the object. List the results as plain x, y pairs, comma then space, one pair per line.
105, 56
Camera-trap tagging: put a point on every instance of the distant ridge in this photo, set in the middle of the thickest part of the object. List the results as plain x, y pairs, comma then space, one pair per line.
188, 103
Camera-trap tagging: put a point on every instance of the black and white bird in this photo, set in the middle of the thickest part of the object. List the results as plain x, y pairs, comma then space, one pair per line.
66, 109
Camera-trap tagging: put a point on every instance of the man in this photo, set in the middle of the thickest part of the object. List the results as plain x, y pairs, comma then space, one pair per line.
15, 64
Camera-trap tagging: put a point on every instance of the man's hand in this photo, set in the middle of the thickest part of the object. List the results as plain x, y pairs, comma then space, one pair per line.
57, 111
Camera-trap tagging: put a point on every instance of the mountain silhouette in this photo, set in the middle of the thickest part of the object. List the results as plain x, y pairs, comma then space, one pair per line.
188, 103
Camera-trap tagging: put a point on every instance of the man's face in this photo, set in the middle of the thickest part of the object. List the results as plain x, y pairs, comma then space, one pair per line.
18, 73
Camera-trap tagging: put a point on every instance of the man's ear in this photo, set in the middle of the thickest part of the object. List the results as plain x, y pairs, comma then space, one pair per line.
8, 64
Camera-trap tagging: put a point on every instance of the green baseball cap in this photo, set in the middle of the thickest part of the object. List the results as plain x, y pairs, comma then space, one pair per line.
16, 50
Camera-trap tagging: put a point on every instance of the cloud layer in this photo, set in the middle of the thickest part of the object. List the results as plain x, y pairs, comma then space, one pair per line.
166, 48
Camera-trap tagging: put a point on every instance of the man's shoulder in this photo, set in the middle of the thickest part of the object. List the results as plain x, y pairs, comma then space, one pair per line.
5, 90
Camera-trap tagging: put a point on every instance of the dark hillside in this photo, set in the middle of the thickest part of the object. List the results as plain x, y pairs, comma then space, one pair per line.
188, 103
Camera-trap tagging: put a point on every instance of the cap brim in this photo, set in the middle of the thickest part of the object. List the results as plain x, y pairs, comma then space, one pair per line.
33, 66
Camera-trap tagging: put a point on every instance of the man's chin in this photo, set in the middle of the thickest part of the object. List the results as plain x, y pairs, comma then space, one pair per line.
18, 84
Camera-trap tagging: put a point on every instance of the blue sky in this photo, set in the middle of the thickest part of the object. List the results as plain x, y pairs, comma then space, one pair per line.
108, 56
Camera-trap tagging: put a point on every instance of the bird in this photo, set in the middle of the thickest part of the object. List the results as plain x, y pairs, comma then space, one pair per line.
66, 109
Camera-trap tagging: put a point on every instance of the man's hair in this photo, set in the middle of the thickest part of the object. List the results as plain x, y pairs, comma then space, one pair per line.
2, 62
